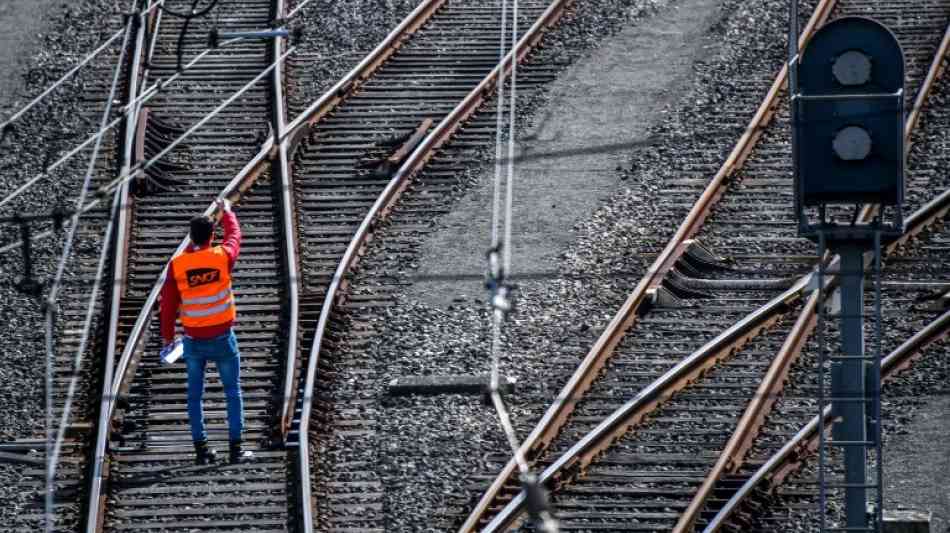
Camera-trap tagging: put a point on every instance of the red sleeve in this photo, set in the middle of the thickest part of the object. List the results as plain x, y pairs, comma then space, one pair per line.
232, 236
168, 306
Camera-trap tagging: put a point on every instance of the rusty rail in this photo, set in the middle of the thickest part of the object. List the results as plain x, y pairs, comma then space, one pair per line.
556, 415
733, 454
387, 199
791, 456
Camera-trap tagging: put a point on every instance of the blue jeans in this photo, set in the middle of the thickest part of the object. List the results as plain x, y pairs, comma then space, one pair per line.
224, 352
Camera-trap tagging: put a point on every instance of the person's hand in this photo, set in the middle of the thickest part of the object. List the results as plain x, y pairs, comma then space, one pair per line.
224, 205
167, 349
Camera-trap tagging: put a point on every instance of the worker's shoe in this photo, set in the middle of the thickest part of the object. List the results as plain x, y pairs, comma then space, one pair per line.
237, 455
203, 454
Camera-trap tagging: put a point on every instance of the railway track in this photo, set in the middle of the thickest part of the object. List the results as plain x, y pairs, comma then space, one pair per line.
604, 475
146, 480
775, 486
320, 189
141, 476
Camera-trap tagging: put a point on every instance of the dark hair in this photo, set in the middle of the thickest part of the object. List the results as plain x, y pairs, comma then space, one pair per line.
201, 230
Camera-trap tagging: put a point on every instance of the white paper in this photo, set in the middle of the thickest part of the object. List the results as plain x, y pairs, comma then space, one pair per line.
175, 353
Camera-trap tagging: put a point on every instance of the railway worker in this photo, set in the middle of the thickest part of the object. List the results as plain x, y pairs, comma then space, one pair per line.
199, 285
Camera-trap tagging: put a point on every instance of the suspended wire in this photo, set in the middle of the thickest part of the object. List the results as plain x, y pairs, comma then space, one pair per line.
297, 9
499, 270
147, 95
499, 123
48, 499
54, 454
83, 343
495, 273
61, 269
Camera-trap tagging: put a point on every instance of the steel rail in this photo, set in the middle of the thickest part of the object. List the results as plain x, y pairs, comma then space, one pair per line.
120, 223
584, 451
732, 456
387, 199
282, 167
793, 454
284, 171
556, 415
290, 137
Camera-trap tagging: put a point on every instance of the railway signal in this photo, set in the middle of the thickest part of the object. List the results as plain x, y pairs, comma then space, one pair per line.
848, 146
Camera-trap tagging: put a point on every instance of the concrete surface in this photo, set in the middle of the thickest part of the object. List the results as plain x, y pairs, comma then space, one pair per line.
608, 100
916, 461
21, 22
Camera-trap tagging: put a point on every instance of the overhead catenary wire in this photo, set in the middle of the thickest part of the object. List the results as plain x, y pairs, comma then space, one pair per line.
499, 268
54, 454
57, 447
496, 274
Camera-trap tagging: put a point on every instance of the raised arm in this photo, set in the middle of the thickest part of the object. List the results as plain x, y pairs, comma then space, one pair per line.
232, 232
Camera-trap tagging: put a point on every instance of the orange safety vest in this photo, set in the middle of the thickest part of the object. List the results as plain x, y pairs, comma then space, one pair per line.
204, 282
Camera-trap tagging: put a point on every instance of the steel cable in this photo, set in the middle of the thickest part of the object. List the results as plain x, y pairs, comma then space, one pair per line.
60, 270
498, 271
